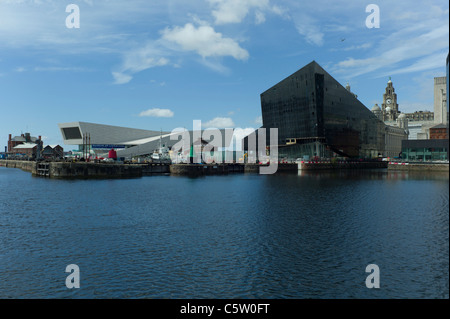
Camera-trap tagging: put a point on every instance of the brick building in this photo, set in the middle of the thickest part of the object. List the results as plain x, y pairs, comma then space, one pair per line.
28, 150
438, 132
22, 139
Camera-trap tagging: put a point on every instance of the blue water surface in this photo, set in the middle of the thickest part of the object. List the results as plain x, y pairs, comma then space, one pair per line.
306, 235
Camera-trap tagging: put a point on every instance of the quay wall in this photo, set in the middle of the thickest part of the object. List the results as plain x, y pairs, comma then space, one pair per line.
341, 165
93, 170
282, 167
220, 169
205, 169
28, 166
150, 169
116, 170
86, 170
418, 167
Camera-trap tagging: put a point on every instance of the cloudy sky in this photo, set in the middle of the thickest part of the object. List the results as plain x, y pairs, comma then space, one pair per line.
162, 64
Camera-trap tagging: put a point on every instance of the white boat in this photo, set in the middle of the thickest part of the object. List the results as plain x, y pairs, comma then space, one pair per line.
162, 153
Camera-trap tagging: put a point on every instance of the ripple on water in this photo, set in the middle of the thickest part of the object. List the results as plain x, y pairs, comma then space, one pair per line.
236, 236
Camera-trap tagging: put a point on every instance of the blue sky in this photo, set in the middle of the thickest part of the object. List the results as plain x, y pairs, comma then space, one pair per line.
162, 64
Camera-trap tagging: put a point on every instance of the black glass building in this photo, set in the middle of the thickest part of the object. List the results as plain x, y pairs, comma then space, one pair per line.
317, 116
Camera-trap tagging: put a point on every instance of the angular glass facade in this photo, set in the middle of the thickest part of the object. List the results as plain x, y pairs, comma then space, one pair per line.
310, 108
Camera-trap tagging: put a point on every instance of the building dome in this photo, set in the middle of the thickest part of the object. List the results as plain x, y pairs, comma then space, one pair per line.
388, 110
376, 108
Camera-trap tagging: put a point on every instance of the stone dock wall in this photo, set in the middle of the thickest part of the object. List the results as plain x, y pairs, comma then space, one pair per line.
418, 167
205, 169
28, 166
113, 170
341, 165
93, 170
282, 167
86, 170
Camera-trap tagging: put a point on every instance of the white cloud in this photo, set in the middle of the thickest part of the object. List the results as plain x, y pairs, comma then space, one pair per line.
358, 47
418, 42
363, 46
430, 62
260, 17
120, 78
309, 29
234, 11
140, 59
201, 39
258, 120
204, 41
215, 65
156, 112
57, 69
337, 28
281, 11
219, 122
163, 83
144, 58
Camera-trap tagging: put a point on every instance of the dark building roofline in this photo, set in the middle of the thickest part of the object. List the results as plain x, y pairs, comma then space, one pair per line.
425, 143
439, 126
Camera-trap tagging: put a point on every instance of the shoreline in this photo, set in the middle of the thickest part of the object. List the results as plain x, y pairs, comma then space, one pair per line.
83, 170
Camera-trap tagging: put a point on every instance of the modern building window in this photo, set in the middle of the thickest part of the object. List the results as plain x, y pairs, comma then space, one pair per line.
72, 133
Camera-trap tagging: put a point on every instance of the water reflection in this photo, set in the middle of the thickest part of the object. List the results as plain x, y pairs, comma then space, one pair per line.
376, 174
305, 235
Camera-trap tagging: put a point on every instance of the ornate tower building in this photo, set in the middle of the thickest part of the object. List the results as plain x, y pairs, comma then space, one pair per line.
389, 107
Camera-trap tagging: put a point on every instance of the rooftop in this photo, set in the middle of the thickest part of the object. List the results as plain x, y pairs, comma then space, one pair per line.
25, 146
439, 126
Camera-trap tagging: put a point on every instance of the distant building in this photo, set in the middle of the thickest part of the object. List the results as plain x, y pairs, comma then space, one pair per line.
22, 139
425, 150
393, 141
438, 132
347, 87
99, 139
25, 146
131, 142
26, 150
52, 152
418, 122
389, 107
447, 81
440, 100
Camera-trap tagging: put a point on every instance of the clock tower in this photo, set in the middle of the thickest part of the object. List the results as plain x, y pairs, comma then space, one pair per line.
389, 107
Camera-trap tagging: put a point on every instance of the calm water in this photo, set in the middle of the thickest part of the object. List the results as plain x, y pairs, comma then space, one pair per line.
235, 236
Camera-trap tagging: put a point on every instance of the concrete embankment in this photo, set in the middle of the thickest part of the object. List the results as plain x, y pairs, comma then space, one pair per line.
114, 170
341, 165
418, 167
220, 169
28, 166
205, 169
86, 170
93, 170
281, 167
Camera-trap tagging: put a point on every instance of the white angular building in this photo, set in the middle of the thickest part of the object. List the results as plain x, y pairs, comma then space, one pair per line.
99, 139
